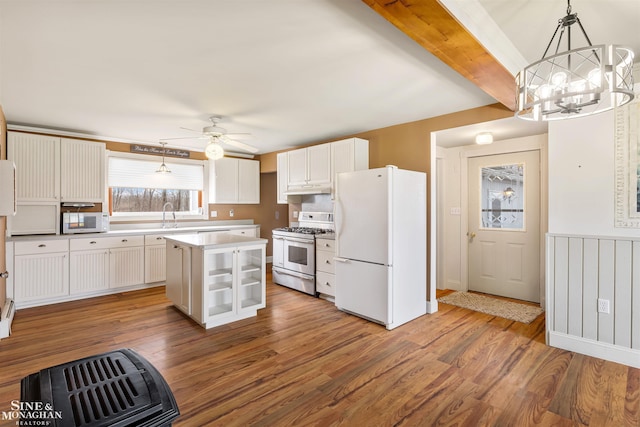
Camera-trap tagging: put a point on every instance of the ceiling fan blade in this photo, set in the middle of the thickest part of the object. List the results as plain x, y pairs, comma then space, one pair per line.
238, 144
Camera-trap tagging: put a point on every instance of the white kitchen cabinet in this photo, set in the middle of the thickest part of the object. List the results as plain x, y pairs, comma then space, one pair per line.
349, 155
124, 258
309, 167
35, 218
235, 181
82, 171
155, 265
41, 271
126, 266
178, 280
222, 279
231, 284
37, 160
282, 177
325, 269
319, 164
88, 271
50, 170
313, 169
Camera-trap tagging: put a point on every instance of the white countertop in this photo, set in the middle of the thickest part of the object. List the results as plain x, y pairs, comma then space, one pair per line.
132, 232
214, 240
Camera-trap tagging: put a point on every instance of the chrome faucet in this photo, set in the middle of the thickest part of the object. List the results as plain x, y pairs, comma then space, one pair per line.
173, 211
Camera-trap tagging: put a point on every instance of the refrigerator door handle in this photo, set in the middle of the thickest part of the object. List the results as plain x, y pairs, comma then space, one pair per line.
340, 259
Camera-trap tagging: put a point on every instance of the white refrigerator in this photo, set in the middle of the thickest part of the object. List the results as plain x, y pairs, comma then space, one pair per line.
381, 244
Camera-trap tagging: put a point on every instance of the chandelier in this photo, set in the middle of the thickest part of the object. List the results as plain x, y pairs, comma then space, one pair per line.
578, 82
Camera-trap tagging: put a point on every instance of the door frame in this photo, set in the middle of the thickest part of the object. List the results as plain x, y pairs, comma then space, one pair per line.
513, 146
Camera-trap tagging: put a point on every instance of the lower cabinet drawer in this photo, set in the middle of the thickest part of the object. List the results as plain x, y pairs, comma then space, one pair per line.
33, 247
325, 283
91, 243
324, 261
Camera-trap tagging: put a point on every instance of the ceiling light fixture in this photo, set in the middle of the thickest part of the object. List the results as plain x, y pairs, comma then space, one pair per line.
578, 82
163, 167
484, 138
213, 150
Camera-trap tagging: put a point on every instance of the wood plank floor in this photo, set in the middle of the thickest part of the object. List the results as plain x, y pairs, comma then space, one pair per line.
302, 362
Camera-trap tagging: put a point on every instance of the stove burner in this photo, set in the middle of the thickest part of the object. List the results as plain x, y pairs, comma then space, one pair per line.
304, 230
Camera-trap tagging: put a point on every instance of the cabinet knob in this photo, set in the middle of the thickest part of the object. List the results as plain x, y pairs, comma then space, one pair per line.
327, 284
42, 245
93, 242
327, 245
326, 261
124, 240
158, 238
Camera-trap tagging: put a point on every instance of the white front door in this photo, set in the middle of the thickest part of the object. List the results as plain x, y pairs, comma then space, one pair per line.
504, 225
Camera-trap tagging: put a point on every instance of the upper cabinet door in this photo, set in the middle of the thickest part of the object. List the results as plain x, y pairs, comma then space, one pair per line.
235, 181
282, 177
297, 167
82, 171
248, 181
226, 181
319, 164
37, 160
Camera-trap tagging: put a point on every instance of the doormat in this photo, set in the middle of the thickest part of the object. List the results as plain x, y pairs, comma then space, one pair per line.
509, 310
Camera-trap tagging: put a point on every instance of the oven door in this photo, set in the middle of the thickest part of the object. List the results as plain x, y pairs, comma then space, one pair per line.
299, 255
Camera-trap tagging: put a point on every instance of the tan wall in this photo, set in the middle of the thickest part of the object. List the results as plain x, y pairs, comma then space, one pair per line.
407, 145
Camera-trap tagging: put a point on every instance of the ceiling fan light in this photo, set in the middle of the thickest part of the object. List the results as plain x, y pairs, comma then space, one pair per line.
214, 151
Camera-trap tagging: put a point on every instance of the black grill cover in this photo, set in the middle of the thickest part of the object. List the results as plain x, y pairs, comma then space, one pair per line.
118, 388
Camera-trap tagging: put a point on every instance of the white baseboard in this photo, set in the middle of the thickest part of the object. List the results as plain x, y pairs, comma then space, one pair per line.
610, 352
6, 318
432, 306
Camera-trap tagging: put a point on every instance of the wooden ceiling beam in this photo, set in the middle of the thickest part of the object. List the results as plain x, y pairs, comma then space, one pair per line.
434, 28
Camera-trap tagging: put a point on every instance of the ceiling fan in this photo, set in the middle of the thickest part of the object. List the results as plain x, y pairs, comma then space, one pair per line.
216, 136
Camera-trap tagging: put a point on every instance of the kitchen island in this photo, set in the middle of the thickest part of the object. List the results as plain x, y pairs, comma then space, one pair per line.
216, 278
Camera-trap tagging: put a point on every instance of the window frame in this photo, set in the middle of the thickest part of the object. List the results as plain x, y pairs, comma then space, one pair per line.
203, 194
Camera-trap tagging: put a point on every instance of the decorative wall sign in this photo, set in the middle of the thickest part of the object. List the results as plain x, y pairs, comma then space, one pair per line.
170, 152
627, 163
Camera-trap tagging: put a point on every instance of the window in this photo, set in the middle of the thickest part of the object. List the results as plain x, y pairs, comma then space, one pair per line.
136, 191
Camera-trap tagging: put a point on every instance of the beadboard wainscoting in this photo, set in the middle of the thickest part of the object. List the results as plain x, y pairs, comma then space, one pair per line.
584, 275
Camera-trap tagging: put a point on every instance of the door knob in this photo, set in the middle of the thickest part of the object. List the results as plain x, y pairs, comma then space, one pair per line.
4, 275
471, 235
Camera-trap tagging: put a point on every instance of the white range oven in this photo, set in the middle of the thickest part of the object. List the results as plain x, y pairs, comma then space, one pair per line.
294, 258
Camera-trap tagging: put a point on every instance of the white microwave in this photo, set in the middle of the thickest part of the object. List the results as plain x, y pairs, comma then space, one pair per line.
85, 222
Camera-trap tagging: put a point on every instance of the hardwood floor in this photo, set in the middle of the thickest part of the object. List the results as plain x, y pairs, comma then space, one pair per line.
302, 362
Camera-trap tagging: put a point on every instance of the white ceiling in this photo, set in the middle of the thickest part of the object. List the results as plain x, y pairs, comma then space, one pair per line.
289, 72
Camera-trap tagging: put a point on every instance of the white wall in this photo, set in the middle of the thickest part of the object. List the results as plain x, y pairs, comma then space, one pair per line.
589, 259
582, 177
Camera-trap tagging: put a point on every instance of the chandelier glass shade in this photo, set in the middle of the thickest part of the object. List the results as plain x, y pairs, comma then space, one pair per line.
577, 82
